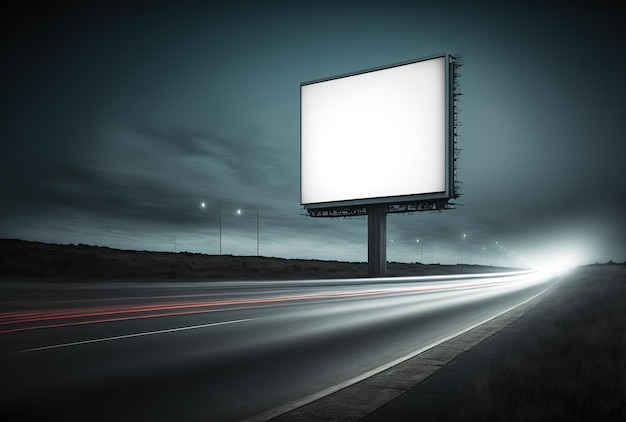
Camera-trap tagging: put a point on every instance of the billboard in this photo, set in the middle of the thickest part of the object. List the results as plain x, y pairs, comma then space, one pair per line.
380, 136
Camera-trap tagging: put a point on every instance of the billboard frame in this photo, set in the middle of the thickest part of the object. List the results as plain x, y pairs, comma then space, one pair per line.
402, 203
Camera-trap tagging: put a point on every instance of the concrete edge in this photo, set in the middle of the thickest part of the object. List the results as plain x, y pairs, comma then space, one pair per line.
352, 401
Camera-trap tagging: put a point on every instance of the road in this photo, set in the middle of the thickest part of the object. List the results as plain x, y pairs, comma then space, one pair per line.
207, 351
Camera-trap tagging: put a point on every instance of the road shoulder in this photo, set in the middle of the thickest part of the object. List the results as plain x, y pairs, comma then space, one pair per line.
389, 395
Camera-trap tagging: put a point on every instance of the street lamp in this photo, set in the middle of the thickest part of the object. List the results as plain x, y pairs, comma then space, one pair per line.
497, 253
203, 205
422, 248
432, 249
257, 226
462, 237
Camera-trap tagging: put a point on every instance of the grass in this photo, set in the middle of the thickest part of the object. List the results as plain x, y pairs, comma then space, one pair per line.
571, 367
22, 260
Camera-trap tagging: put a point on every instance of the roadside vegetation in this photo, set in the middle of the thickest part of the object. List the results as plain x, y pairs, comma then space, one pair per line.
572, 367
23, 260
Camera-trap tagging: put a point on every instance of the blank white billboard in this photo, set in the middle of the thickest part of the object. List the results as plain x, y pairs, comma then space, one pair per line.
375, 137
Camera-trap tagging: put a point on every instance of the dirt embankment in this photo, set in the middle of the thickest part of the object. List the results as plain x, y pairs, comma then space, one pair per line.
42, 261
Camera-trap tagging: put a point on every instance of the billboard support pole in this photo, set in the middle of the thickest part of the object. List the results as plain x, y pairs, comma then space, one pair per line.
377, 240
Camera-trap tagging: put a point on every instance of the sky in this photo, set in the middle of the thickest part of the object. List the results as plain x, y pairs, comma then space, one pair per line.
119, 121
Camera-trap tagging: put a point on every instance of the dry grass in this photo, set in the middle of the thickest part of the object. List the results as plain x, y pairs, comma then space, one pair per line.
572, 367
20, 260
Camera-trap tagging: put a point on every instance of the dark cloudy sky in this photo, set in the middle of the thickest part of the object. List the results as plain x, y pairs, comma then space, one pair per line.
118, 121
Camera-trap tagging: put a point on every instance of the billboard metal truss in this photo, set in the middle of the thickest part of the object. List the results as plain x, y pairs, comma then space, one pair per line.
408, 207
456, 64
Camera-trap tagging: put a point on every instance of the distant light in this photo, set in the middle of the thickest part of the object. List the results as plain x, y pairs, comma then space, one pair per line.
238, 211
561, 263
203, 205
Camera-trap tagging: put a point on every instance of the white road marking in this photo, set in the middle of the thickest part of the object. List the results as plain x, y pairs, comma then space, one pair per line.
146, 333
280, 410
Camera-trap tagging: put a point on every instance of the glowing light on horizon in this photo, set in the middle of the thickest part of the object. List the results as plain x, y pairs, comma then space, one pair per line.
559, 262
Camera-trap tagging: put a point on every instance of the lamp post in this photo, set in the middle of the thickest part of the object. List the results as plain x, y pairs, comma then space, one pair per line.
203, 205
500, 250
432, 249
497, 253
257, 226
462, 237
422, 249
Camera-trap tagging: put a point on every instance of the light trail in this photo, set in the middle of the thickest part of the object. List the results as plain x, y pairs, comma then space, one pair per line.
23, 321
343, 330
280, 410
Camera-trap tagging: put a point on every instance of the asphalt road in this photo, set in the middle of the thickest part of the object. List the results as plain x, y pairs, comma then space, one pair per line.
221, 350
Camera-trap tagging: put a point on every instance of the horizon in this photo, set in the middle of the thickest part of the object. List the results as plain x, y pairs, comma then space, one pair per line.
609, 262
